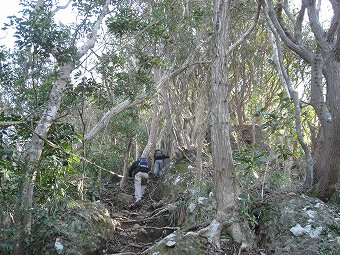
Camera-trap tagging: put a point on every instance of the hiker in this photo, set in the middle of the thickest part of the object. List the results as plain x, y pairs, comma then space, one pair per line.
158, 162
139, 170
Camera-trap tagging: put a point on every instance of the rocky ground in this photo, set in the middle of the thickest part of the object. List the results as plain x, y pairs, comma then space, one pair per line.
172, 212
140, 225
144, 226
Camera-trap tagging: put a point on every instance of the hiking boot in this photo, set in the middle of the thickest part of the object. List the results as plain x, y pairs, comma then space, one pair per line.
136, 204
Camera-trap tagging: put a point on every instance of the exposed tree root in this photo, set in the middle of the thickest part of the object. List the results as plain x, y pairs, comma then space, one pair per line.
213, 233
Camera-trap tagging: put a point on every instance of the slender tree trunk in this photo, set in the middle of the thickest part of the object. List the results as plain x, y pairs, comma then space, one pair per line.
81, 185
35, 147
33, 156
168, 133
325, 60
200, 128
126, 166
152, 137
293, 95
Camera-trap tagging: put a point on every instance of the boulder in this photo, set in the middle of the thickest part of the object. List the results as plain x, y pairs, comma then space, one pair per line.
298, 224
82, 228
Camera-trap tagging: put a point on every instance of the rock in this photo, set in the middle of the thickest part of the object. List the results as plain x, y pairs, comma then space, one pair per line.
170, 244
143, 230
123, 199
191, 207
297, 230
170, 236
190, 167
136, 226
201, 200
59, 247
85, 225
292, 224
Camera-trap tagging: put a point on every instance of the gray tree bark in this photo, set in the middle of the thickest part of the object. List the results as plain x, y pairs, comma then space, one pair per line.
324, 62
226, 189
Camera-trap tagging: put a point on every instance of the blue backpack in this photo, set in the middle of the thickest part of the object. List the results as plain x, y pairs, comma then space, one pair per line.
143, 162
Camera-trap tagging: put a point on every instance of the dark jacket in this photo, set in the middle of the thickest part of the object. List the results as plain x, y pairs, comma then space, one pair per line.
159, 155
135, 168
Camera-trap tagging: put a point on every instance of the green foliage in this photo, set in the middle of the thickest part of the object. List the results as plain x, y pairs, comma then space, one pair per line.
247, 209
124, 22
37, 30
250, 158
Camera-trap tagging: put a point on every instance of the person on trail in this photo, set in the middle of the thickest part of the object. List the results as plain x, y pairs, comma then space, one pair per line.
139, 170
158, 162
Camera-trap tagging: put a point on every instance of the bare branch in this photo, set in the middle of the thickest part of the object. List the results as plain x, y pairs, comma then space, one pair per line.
297, 48
93, 37
298, 24
248, 32
313, 14
61, 7
123, 105
335, 21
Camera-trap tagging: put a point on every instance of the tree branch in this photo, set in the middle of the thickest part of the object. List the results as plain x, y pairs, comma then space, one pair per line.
122, 106
61, 7
319, 33
297, 48
335, 21
93, 37
248, 32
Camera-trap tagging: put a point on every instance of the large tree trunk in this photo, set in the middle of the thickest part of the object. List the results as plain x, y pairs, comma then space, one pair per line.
324, 61
152, 137
327, 165
226, 190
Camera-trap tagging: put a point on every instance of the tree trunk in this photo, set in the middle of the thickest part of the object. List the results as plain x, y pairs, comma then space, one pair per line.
35, 147
153, 129
33, 156
324, 61
327, 166
226, 190
126, 166
168, 136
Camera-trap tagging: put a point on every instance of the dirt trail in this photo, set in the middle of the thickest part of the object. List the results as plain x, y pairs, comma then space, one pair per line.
138, 225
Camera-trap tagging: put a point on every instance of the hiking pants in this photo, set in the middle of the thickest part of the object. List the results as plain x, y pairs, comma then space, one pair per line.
158, 166
139, 189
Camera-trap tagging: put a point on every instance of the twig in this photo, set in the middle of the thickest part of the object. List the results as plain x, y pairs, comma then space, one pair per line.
145, 219
166, 227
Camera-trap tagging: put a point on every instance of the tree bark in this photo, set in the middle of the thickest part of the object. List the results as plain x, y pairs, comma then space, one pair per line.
153, 129
33, 156
226, 189
126, 166
324, 61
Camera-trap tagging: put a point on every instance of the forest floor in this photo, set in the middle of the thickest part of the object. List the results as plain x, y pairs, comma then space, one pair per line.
139, 226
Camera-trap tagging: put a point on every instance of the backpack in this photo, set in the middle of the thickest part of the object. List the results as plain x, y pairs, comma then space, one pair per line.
158, 154
143, 165
143, 162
